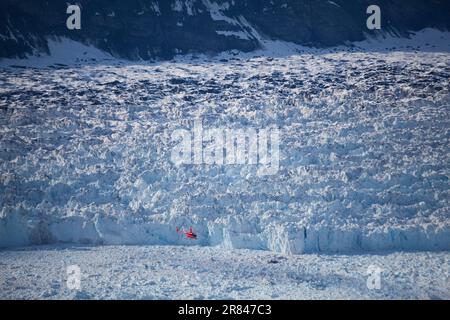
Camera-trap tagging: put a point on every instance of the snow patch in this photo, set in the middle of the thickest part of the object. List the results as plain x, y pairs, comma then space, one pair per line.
62, 51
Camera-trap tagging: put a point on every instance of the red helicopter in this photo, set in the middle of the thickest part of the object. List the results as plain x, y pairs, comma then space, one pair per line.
190, 234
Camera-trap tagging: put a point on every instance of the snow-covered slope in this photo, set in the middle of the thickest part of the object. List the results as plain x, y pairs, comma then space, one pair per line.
148, 29
86, 150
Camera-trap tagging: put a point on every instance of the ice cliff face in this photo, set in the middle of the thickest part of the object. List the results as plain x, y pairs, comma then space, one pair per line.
146, 29
85, 148
85, 152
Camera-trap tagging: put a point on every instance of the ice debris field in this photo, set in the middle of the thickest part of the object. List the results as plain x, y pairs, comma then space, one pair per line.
195, 272
85, 147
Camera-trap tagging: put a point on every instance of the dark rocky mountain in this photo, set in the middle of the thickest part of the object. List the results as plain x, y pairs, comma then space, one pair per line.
149, 29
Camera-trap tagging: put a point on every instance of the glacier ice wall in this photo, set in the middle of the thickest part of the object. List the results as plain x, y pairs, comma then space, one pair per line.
85, 152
